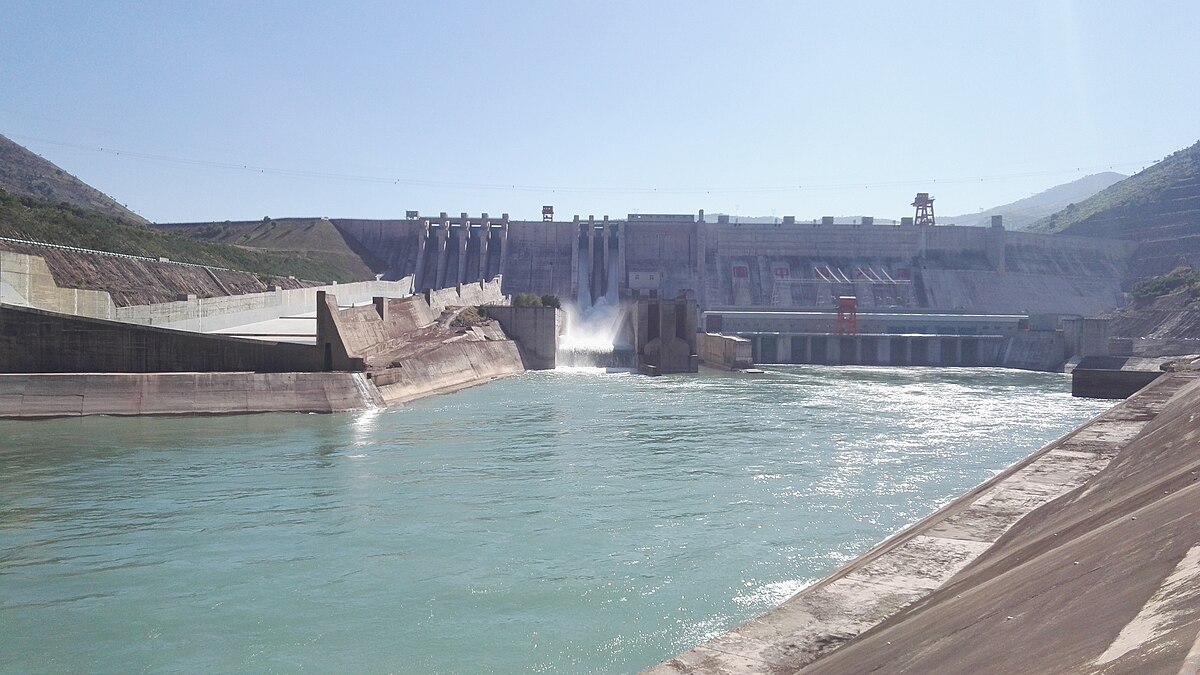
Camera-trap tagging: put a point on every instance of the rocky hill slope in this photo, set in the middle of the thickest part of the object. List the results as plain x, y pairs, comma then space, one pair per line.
26, 174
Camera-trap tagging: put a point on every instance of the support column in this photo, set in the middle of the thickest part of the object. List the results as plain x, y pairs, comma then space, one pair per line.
622, 277
604, 256
935, 351
591, 254
503, 245
783, 349
574, 262
485, 233
439, 279
883, 351
464, 231
422, 244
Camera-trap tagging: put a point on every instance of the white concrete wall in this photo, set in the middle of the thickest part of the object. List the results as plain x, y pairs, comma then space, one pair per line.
25, 280
210, 314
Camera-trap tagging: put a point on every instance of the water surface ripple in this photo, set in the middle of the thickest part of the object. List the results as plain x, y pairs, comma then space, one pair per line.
554, 522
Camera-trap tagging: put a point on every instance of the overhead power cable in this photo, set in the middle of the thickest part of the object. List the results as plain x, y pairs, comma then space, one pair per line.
457, 185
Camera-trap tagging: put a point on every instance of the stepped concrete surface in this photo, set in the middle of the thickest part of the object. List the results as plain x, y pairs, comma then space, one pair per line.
1044, 568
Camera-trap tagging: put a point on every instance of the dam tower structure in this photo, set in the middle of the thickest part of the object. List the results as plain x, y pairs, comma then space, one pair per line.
924, 205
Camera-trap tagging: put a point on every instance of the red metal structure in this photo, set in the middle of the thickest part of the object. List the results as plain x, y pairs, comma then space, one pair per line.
924, 204
847, 318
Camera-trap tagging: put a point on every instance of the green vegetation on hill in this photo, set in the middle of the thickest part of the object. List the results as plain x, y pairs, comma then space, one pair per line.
1178, 279
1167, 193
313, 241
49, 223
532, 300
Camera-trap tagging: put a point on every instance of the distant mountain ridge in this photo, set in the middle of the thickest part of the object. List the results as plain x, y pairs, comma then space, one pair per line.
26, 174
1025, 212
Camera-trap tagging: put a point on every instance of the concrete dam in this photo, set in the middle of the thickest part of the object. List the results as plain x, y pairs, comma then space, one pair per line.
962, 289
789, 265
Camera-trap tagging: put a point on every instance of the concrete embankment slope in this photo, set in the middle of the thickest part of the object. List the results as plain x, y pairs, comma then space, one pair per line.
1085, 557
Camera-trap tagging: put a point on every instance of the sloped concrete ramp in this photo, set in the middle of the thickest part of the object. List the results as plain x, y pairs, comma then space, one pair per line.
1083, 558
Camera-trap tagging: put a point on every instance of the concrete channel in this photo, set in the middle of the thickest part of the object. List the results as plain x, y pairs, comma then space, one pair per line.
924, 557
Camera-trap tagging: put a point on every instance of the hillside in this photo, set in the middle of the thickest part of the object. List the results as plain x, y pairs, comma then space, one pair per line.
310, 241
1167, 193
33, 219
1158, 207
25, 174
1022, 213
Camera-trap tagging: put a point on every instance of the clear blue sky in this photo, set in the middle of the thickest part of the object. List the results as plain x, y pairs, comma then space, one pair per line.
655, 107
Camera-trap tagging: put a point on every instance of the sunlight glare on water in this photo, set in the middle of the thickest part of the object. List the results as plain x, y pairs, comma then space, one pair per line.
555, 522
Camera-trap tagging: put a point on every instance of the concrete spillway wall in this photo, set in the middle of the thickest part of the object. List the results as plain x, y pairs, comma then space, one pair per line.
451, 367
212, 314
70, 395
535, 330
1084, 556
37, 341
436, 252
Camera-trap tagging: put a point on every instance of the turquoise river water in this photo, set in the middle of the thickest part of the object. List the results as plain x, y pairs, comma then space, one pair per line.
566, 521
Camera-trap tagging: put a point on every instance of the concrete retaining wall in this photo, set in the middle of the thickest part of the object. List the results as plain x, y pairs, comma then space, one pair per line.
536, 330
724, 351
25, 280
211, 314
59, 395
1115, 384
37, 341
